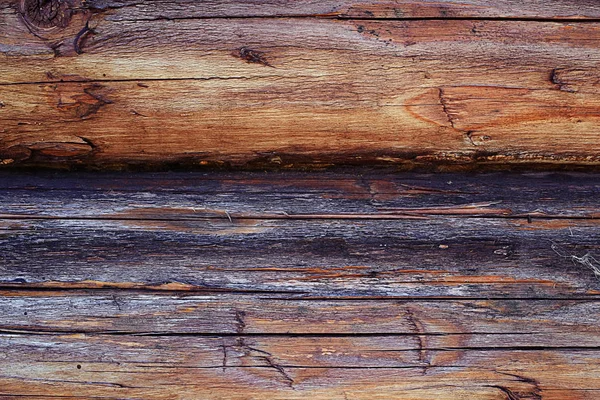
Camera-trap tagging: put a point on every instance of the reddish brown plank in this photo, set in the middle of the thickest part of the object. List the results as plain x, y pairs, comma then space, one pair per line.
138, 367
294, 92
407, 9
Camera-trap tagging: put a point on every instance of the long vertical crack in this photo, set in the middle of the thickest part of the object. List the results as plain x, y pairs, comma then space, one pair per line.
417, 328
444, 104
468, 135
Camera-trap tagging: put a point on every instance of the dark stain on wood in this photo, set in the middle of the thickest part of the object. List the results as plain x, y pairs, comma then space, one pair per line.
253, 56
82, 105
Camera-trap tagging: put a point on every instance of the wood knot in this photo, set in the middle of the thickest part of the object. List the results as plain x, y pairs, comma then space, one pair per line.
64, 25
46, 14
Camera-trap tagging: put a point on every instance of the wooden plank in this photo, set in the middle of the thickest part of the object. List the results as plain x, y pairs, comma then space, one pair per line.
292, 92
449, 256
138, 367
439, 324
185, 9
295, 194
334, 234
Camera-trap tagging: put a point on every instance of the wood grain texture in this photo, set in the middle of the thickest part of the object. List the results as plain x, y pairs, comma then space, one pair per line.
445, 257
367, 9
179, 83
292, 195
139, 367
333, 235
355, 285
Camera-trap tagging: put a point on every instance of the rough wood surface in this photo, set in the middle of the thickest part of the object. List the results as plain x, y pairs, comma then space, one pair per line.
273, 84
355, 285
367, 9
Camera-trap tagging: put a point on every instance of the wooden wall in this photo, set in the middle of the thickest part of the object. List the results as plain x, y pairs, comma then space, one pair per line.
294, 286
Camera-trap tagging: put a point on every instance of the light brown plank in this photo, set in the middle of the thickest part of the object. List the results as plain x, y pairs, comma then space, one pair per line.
302, 92
137, 367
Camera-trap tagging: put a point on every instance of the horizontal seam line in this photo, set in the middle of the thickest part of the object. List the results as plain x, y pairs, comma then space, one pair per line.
358, 18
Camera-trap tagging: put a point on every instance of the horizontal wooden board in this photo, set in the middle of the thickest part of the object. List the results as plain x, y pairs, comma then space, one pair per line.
482, 324
298, 92
352, 285
341, 235
432, 257
137, 367
294, 195
186, 9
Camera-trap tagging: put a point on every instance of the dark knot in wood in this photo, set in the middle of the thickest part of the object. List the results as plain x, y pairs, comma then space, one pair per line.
253, 56
46, 14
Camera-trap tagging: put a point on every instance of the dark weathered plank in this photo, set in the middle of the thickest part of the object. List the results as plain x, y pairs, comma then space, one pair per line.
448, 256
326, 235
294, 194
292, 92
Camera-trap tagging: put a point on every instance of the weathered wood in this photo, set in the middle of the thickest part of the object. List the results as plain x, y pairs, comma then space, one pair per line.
295, 194
368, 9
433, 257
357, 368
333, 235
293, 92
333, 285
473, 324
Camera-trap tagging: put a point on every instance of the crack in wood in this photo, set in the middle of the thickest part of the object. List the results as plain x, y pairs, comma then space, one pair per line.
280, 369
509, 393
417, 327
117, 302
265, 356
555, 78
224, 348
536, 392
445, 107
81, 37
66, 80
469, 136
